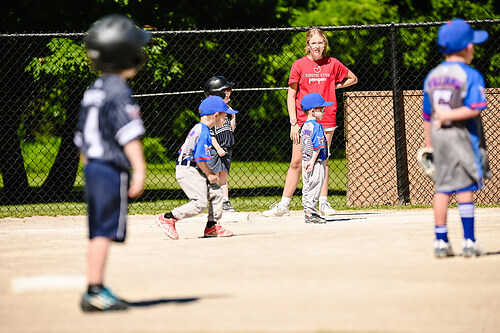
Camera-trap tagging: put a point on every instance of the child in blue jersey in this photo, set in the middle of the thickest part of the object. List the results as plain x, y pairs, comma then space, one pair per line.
453, 99
108, 136
313, 145
195, 177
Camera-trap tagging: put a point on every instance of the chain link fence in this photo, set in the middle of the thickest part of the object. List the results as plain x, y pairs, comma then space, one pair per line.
373, 148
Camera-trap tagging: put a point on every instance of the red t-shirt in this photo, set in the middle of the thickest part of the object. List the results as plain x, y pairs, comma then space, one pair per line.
320, 77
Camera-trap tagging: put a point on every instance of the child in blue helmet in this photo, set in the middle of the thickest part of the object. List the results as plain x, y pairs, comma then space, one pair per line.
314, 148
196, 179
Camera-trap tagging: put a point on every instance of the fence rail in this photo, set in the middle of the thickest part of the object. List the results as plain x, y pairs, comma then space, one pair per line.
44, 76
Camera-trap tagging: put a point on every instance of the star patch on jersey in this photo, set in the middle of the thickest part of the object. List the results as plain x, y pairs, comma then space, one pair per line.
207, 149
482, 91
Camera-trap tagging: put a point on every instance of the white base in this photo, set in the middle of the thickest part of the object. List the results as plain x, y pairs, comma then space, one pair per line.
47, 282
226, 217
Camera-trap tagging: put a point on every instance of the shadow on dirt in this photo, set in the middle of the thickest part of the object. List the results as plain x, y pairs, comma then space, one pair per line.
161, 301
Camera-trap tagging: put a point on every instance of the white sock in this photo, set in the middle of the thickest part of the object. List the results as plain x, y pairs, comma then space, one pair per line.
323, 199
225, 199
285, 202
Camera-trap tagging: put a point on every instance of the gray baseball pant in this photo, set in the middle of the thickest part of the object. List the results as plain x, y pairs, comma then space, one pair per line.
311, 186
200, 192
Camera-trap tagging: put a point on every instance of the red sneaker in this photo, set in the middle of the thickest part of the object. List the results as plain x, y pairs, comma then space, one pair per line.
168, 225
217, 231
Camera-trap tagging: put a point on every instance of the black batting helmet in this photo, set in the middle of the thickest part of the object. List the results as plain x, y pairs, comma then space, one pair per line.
115, 43
215, 86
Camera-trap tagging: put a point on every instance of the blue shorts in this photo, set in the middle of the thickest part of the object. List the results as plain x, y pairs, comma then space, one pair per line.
107, 200
471, 188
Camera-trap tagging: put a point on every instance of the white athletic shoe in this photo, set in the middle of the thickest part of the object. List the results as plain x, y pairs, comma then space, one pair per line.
442, 249
276, 210
470, 248
326, 209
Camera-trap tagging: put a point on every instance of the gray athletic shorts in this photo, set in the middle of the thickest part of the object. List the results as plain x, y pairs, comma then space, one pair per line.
218, 164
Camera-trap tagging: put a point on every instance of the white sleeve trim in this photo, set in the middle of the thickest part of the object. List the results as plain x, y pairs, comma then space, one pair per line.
78, 139
129, 132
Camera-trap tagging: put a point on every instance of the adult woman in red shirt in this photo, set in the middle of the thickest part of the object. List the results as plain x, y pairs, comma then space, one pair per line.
322, 74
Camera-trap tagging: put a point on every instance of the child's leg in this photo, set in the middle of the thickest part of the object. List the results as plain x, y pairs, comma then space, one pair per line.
96, 259
291, 182
98, 297
442, 248
441, 202
214, 202
213, 227
324, 189
194, 184
312, 184
466, 210
224, 184
293, 174
306, 192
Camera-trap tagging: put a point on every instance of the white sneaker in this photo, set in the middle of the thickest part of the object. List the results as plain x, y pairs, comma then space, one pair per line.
442, 249
326, 209
276, 210
470, 248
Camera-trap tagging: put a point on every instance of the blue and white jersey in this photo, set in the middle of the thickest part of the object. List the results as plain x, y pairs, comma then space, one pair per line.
109, 119
312, 138
453, 84
456, 144
197, 145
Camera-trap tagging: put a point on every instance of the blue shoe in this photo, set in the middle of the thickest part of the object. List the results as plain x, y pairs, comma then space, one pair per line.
103, 301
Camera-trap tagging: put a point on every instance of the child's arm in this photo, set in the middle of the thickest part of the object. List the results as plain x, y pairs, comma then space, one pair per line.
212, 177
134, 153
84, 158
217, 147
442, 115
233, 122
427, 134
292, 111
348, 80
310, 164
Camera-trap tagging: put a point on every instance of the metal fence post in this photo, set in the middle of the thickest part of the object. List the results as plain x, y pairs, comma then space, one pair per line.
403, 181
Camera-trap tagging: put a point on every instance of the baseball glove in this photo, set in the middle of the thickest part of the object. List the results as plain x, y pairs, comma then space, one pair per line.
426, 161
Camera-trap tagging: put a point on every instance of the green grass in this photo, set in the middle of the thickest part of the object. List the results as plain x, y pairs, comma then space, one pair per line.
260, 175
40, 155
247, 175
244, 175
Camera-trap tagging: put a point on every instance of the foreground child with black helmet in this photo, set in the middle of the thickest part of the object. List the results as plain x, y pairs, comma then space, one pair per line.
108, 136
195, 177
222, 137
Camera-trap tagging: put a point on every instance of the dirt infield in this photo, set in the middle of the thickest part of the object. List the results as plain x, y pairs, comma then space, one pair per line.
364, 271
